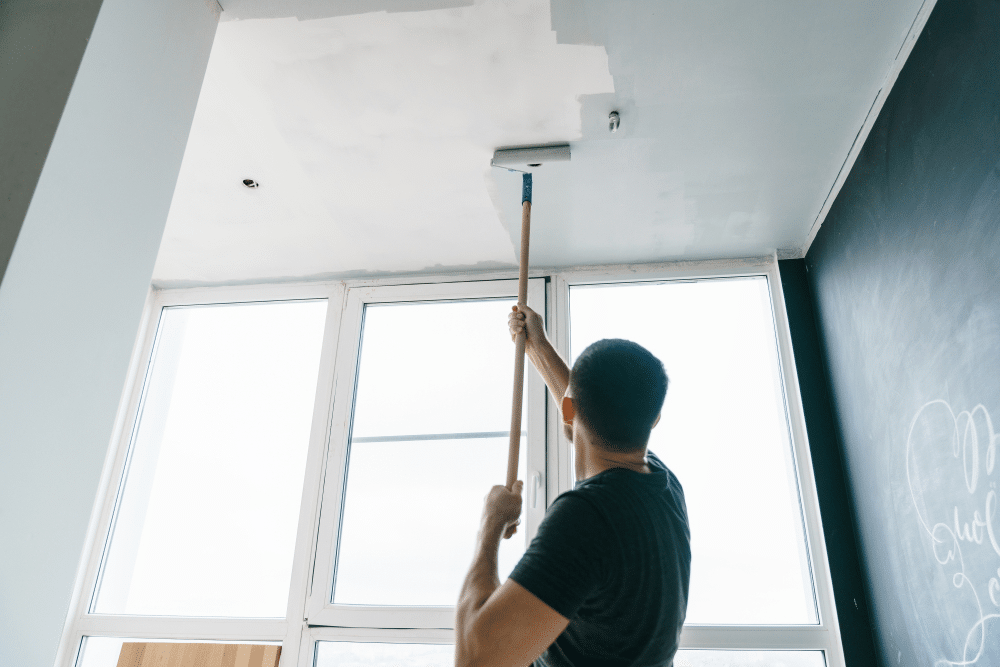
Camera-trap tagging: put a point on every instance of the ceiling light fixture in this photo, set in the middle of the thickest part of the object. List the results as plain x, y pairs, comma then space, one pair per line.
614, 120
250, 183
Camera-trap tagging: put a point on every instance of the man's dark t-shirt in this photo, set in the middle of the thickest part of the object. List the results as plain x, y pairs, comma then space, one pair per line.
614, 557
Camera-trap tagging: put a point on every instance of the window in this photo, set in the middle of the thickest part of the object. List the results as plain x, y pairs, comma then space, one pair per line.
421, 435
305, 465
207, 518
732, 431
199, 529
430, 423
724, 433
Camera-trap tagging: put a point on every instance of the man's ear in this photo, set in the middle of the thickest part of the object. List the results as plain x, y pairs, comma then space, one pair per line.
657, 421
568, 410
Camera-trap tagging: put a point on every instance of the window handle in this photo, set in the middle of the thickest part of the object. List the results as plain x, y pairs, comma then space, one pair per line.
536, 487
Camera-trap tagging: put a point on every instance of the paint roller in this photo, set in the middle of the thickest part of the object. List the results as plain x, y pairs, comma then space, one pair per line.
526, 160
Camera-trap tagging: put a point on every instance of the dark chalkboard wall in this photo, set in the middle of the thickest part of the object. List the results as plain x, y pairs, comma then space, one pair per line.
905, 275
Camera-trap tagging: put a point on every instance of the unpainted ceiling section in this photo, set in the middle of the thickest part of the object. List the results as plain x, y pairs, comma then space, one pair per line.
370, 127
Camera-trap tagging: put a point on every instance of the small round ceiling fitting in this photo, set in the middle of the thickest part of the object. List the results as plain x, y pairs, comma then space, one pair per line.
250, 183
614, 120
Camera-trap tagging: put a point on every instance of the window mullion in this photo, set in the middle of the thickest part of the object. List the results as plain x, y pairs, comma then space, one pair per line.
388, 618
312, 488
535, 494
335, 435
559, 452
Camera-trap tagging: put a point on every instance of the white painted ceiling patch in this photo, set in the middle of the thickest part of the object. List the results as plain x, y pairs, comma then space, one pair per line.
370, 136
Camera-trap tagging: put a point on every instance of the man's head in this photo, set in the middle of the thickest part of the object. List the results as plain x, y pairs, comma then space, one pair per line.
617, 387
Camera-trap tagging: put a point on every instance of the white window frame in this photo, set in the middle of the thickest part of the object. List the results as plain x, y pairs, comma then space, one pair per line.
824, 635
320, 611
309, 618
81, 621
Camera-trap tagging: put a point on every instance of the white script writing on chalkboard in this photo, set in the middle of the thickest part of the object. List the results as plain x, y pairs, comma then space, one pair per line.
966, 538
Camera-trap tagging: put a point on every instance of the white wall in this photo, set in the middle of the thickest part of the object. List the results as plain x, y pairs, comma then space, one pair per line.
73, 292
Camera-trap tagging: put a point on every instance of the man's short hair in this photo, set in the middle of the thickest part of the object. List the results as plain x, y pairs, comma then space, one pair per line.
618, 389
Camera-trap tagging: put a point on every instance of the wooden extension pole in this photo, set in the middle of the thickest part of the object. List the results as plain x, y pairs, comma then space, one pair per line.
513, 452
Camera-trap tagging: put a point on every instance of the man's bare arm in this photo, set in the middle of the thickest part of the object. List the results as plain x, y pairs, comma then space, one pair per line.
500, 626
542, 354
500, 518
512, 629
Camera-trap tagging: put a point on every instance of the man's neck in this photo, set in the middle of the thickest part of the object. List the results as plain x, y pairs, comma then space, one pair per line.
592, 460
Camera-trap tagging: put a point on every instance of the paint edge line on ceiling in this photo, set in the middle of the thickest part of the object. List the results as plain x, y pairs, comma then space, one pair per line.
916, 28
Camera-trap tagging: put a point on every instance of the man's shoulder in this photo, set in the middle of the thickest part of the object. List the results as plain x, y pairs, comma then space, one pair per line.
583, 501
624, 497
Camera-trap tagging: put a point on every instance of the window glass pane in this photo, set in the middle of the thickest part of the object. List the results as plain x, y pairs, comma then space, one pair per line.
749, 659
207, 521
429, 439
724, 433
105, 651
443, 367
358, 654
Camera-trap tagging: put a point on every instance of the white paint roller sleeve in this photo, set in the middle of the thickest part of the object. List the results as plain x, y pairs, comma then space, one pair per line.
529, 158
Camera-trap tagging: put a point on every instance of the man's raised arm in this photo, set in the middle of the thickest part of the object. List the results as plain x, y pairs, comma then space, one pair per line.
500, 626
543, 355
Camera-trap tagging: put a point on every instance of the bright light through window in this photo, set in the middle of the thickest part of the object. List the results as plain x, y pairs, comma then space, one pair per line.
372, 654
207, 522
429, 439
724, 433
749, 659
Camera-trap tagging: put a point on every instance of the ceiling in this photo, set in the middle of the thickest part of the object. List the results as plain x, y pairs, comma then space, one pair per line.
370, 126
